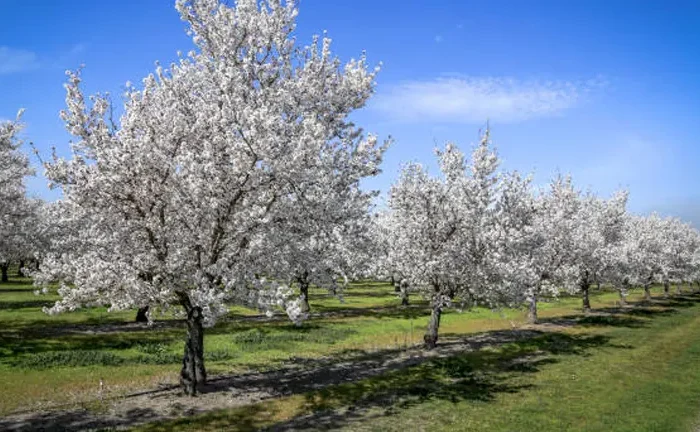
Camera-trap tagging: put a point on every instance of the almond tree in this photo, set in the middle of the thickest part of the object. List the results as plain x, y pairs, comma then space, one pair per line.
16, 210
536, 256
179, 201
444, 229
599, 228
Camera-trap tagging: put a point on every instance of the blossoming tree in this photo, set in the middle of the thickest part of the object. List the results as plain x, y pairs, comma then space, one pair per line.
181, 199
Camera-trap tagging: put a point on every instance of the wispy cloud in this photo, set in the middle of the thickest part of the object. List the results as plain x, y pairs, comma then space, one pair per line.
475, 99
16, 60
438, 38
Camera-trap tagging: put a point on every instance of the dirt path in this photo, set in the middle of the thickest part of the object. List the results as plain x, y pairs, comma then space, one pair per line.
233, 391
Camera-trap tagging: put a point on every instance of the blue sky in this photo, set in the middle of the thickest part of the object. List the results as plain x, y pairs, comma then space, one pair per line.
608, 91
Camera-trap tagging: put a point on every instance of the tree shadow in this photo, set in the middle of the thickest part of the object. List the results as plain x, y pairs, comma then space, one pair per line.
15, 305
473, 375
339, 387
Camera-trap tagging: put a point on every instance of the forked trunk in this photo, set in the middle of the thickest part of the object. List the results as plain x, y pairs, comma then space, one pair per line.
647, 292
431, 336
193, 374
532, 309
3, 268
666, 286
142, 315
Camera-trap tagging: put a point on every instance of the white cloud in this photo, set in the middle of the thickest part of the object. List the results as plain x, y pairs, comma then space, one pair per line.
475, 99
16, 60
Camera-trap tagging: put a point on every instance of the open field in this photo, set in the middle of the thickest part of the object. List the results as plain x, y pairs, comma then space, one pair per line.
356, 365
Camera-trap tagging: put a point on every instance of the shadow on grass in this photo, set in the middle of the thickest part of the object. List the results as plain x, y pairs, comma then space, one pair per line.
478, 376
343, 387
15, 305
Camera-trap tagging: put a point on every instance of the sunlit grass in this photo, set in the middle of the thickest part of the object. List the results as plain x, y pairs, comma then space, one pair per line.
45, 361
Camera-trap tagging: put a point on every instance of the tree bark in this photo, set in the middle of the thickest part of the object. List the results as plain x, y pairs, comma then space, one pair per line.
431, 336
3, 268
193, 374
404, 292
678, 289
666, 286
647, 292
142, 315
532, 309
585, 285
19, 269
597, 286
304, 292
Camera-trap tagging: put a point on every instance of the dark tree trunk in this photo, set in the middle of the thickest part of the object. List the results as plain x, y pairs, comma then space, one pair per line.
3, 268
193, 374
19, 269
532, 309
647, 292
431, 336
666, 286
697, 287
304, 292
585, 288
597, 286
142, 315
404, 292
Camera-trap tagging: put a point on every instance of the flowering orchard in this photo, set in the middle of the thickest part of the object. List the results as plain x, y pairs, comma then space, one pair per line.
233, 177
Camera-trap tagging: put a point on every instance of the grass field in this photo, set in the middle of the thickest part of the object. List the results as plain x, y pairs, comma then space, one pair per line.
622, 370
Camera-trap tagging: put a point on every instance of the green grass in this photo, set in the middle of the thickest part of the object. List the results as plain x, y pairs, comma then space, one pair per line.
630, 371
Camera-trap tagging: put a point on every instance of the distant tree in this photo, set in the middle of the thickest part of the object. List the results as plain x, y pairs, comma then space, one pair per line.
16, 210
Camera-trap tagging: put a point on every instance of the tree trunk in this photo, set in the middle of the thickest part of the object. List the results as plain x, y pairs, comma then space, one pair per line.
304, 292
431, 336
597, 286
623, 297
397, 288
142, 315
532, 309
678, 289
4, 267
697, 289
585, 287
404, 292
19, 269
666, 286
193, 374
647, 292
